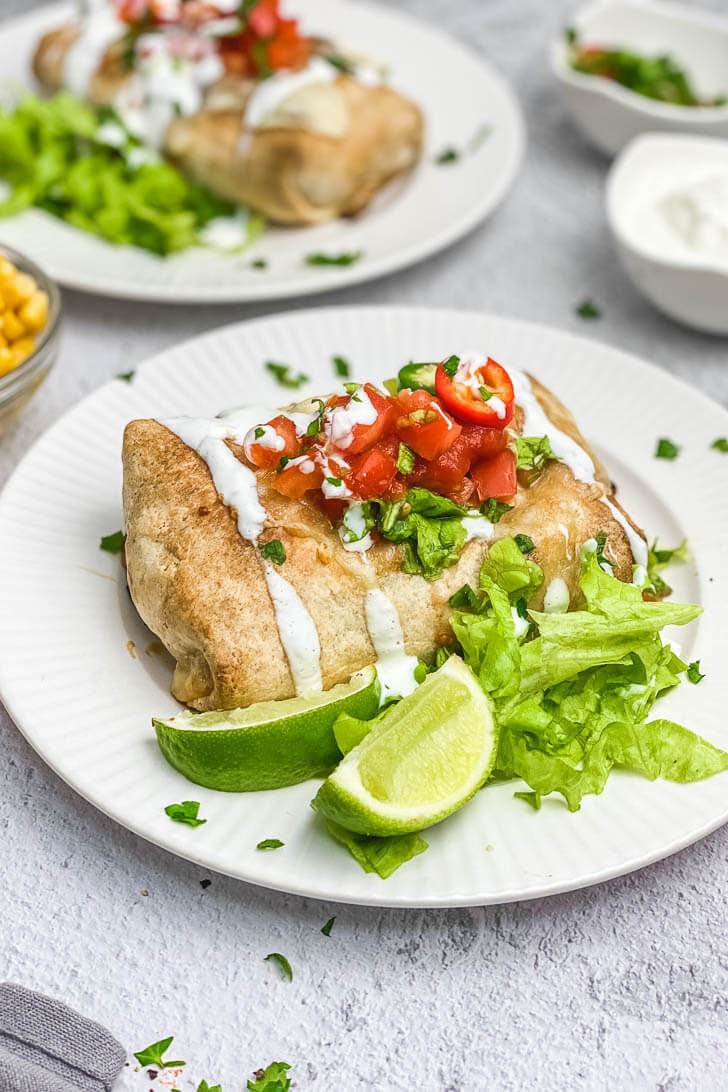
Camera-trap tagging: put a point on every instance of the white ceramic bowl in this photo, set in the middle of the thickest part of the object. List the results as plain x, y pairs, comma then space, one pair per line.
609, 114
685, 283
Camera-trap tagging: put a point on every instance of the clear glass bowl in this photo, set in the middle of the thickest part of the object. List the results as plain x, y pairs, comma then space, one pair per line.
19, 385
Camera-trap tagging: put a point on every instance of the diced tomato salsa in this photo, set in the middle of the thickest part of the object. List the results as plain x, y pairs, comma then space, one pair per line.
369, 445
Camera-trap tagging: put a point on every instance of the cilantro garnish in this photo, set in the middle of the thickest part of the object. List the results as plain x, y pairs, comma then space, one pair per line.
588, 310
203, 1086
285, 460
451, 365
693, 672
186, 812
259, 263
283, 964
341, 64
334, 481
571, 35
285, 376
533, 451
448, 155
127, 377
451, 154
405, 459
152, 1055
341, 366
271, 1079
317, 424
666, 449
270, 843
464, 597
494, 509
721, 444
259, 432
113, 544
524, 543
326, 929
485, 394
351, 388
274, 551
601, 540
334, 259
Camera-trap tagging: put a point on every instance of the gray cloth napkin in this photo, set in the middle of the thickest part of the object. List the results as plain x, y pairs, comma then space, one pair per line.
47, 1047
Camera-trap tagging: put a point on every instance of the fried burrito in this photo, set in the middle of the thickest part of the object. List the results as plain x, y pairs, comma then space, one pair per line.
275, 553
240, 101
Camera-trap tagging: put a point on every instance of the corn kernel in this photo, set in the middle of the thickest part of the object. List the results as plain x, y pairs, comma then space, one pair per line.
3, 340
7, 269
7, 361
12, 326
19, 289
34, 313
23, 348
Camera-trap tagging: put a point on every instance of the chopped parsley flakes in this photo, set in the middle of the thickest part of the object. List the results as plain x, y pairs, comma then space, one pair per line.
666, 449
451, 365
270, 843
274, 551
127, 377
494, 509
334, 259
186, 812
283, 964
283, 373
721, 444
342, 367
524, 543
588, 310
113, 544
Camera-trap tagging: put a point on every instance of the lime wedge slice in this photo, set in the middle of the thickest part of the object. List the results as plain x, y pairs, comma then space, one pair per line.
424, 759
267, 745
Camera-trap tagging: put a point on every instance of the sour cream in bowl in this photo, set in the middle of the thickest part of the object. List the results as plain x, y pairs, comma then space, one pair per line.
667, 208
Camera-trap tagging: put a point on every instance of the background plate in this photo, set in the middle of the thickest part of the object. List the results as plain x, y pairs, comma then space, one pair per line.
84, 702
414, 217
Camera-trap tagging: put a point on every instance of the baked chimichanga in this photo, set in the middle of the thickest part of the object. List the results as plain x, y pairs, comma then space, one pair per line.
242, 103
277, 552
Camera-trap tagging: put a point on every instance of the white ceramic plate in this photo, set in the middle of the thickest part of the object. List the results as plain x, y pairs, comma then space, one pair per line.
413, 218
85, 704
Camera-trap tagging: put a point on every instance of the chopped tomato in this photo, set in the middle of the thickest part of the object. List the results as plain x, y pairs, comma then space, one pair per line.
359, 424
483, 442
496, 477
288, 49
268, 453
334, 508
478, 394
445, 470
263, 18
461, 492
293, 481
371, 474
396, 491
423, 425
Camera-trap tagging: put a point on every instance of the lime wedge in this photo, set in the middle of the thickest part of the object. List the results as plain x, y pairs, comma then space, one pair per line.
424, 759
267, 745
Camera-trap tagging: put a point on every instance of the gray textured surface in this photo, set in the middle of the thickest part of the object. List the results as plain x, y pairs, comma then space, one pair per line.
622, 985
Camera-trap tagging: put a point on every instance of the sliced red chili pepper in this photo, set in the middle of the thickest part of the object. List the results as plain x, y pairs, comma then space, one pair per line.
480, 394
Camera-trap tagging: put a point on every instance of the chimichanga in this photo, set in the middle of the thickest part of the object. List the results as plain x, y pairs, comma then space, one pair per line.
247, 623
308, 142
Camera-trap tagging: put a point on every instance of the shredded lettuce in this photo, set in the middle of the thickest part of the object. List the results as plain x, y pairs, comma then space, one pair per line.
381, 855
54, 156
573, 696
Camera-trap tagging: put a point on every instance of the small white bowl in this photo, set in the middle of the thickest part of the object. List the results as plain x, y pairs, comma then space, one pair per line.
687, 284
609, 114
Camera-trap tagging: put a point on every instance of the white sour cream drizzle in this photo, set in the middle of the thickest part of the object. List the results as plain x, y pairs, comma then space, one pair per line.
305, 98
637, 545
470, 364
395, 669
236, 485
520, 625
477, 527
340, 422
556, 599
99, 28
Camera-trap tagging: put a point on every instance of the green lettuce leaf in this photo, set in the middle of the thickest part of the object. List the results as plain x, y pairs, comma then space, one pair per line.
381, 855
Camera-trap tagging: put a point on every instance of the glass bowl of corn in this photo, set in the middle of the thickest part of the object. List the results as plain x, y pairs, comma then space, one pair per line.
30, 308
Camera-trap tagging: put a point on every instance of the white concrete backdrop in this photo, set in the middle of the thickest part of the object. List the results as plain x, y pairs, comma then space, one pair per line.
623, 985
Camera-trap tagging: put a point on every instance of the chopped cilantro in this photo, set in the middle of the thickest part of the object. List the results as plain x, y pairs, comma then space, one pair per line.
113, 544
127, 377
271, 1079
283, 964
693, 672
317, 424
721, 444
571, 35
533, 451
464, 597
270, 843
259, 263
448, 155
666, 449
405, 459
341, 366
341, 64
451, 365
588, 310
186, 812
334, 259
524, 543
152, 1055
351, 388
326, 929
601, 541
451, 154
274, 551
285, 376
334, 481
485, 394
259, 432
203, 1086
494, 509
285, 460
